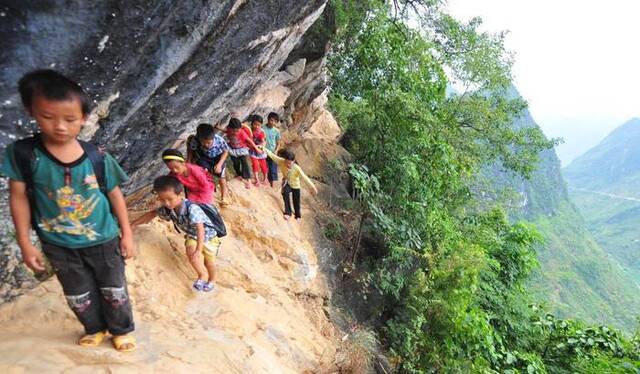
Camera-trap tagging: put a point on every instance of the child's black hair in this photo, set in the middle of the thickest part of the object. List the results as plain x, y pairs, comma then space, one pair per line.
257, 118
287, 154
201, 127
205, 131
273, 115
234, 123
167, 182
171, 152
52, 86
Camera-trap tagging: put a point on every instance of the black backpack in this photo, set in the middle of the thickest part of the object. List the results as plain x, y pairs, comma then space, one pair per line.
24, 155
214, 216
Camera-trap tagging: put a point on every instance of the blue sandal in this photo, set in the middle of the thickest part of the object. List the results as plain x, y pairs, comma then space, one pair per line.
198, 285
208, 287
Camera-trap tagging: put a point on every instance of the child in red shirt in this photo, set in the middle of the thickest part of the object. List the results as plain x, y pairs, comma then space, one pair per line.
199, 187
258, 160
240, 140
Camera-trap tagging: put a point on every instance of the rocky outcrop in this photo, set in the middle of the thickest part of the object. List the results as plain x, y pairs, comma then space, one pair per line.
165, 66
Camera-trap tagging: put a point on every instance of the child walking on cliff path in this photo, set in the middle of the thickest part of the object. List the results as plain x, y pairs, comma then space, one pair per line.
272, 135
292, 173
67, 190
209, 150
198, 186
240, 141
258, 160
202, 235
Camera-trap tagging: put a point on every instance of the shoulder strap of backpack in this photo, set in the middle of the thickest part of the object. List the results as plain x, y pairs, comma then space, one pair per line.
96, 156
188, 204
23, 154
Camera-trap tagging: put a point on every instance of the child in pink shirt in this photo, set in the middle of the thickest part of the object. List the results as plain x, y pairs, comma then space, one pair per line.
258, 160
198, 185
240, 141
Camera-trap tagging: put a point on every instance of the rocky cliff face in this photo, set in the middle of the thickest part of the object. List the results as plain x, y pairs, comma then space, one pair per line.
155, 69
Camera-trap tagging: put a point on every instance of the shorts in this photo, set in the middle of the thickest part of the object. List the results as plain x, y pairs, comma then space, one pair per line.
239, 152
209, 249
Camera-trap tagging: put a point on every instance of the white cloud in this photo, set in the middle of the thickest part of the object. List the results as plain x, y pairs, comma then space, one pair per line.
577, 62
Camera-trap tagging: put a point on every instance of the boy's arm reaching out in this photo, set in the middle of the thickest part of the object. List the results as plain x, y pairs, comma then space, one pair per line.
307, 180
21, 214
273, 156
119, 207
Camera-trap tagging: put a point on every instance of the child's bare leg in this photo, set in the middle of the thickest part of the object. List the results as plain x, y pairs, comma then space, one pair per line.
223, 187
210, 264
196, 263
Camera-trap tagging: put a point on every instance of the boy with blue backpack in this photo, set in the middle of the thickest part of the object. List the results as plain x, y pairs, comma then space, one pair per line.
201, 224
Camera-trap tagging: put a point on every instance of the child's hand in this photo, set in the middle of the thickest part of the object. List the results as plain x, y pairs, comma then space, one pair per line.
32, 257
127, 248
218, 169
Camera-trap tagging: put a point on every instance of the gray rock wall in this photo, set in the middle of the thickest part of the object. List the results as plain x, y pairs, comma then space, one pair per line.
171, 64
155, 69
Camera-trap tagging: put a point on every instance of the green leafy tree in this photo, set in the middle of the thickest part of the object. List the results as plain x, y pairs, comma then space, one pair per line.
427, 103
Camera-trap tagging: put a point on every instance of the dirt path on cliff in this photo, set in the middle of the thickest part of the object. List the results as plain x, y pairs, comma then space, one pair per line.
267, 316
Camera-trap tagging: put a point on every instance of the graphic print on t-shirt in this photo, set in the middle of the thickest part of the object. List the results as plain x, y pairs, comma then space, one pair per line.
73, 208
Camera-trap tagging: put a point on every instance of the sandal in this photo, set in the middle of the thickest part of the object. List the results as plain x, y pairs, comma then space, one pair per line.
124, 343
92, 340
198, 285
208, 287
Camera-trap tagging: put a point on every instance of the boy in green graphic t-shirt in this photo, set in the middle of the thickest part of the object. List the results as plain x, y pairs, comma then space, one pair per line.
67, 190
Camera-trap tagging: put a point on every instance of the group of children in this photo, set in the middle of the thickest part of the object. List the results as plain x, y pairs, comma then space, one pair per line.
68, 192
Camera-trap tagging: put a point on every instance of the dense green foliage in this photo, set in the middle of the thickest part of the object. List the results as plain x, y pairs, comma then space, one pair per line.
453, 269
579, 279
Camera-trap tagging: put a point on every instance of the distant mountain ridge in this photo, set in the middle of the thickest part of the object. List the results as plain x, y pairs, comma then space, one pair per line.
576, 277
604, 183
614, 159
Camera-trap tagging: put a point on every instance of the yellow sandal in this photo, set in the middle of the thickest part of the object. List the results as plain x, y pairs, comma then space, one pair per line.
124, 343
92, 340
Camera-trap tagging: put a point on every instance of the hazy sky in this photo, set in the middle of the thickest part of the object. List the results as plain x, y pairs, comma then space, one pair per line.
577, 62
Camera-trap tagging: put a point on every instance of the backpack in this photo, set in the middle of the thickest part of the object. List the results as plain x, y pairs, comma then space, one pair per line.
214, 216
24, 155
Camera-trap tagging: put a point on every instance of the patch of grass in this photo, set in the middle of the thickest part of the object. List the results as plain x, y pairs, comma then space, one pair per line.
333, 229
358, 352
